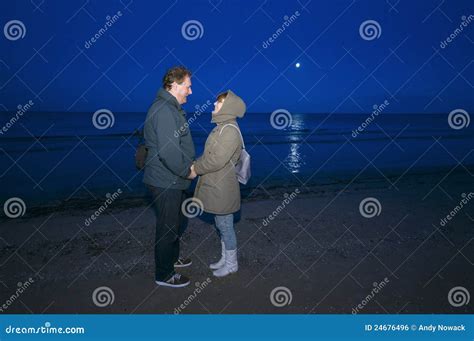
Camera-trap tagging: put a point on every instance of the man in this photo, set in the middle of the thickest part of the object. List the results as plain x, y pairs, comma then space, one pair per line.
167, 172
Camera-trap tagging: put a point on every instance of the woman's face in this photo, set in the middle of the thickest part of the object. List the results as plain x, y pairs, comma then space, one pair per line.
218, 106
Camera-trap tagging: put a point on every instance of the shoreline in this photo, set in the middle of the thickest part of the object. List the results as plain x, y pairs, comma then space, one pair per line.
248, 194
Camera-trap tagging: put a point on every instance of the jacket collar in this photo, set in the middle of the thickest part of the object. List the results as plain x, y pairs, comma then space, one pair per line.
169, 98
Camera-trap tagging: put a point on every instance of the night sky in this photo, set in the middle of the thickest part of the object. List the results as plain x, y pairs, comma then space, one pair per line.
340, 71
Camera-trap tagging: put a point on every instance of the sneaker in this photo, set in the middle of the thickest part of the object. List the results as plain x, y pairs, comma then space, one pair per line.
176, 281
183, 262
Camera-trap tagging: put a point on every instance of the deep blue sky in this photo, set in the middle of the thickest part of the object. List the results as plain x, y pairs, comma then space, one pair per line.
47, 66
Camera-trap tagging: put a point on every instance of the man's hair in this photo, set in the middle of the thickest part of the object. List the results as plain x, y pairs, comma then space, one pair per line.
222, 96
175, 74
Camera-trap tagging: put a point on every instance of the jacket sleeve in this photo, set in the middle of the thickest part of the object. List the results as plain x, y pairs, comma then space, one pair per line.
168, 144
217, 156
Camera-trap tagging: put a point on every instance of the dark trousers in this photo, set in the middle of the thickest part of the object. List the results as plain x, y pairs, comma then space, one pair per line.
170, 226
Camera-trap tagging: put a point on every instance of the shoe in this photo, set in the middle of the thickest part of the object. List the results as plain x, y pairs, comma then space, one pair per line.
176, 281
231, 265
183, 262
221, 262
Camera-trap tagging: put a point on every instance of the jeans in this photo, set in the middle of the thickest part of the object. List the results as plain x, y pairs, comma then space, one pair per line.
225, 230
170, 226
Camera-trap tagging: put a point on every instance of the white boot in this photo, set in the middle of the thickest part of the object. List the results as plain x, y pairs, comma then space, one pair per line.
231, 264
221, 262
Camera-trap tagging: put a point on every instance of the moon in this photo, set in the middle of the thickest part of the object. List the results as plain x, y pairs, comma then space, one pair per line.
297, 65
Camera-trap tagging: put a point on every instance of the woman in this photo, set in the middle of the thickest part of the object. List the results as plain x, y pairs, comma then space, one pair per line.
217, 187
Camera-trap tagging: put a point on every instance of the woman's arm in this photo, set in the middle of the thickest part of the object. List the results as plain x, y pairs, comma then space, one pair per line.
217, 156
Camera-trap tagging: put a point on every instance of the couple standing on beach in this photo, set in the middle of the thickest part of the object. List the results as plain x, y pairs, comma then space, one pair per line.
171, 166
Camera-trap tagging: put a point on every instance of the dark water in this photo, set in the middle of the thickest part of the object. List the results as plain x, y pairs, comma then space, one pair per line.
50, 157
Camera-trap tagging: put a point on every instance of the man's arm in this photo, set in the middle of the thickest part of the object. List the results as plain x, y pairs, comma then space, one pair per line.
169, 149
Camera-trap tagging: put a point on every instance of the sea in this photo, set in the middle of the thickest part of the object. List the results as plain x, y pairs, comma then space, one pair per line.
52, 158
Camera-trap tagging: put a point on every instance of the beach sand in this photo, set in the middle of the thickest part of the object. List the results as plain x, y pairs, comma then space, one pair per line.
319, 247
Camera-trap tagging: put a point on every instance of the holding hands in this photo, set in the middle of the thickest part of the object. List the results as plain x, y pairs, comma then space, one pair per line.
193, 174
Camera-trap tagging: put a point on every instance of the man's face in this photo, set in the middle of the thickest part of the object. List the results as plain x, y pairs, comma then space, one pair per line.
183, 90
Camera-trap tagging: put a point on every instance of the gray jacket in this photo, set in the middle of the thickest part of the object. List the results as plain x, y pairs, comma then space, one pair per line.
169, 142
